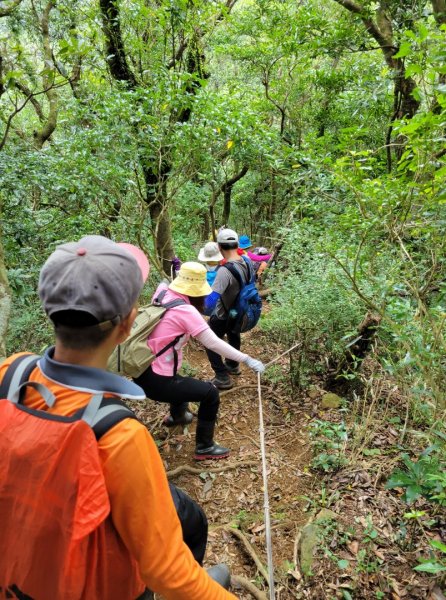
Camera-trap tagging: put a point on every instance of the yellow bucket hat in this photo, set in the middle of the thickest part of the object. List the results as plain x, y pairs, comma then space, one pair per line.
191, 280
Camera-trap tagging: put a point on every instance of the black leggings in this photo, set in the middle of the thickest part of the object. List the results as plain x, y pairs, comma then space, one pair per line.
194, 526
178, 390
194, 523
221, 328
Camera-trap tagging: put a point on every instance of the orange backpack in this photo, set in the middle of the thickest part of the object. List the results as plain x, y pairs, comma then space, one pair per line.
57, 539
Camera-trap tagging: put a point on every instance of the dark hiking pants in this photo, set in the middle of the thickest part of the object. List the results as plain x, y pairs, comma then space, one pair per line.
221, 328
194, 525
177, 390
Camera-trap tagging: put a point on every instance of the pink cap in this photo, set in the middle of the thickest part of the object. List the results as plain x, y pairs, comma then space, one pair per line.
139, 256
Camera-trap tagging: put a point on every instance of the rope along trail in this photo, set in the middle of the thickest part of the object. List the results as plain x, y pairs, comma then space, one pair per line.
269, 548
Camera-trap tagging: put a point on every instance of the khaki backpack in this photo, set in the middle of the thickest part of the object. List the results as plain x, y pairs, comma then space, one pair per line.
132, 357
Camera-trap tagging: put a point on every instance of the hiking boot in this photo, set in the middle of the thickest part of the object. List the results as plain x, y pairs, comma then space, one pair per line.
233, 370
206, 448
223, 382
220, 573
179, 415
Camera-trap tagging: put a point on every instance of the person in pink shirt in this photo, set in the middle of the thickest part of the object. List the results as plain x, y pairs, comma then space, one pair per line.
161, 381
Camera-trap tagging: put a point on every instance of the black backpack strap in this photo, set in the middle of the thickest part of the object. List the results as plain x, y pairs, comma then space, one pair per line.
170, 345
172, 304
104, 413
251, 270
236, 273
158, 301
18, 372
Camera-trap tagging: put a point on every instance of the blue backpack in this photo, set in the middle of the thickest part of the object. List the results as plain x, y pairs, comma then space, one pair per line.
246, 311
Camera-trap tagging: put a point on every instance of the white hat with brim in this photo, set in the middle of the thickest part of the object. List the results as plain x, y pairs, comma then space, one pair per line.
191, 280
210, 253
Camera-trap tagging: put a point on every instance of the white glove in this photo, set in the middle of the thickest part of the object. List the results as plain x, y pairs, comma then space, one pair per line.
255, 365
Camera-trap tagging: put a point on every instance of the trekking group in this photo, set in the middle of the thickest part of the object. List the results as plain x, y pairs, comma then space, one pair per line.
86, 510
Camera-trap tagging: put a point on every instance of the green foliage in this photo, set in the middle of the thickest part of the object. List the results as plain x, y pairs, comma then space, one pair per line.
294, 92
433, 566
311, 304
423, 477
329, 441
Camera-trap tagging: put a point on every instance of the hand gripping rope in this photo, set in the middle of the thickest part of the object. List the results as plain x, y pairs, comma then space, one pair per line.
269, 549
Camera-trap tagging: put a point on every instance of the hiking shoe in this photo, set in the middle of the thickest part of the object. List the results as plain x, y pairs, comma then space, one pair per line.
206, 448
233, 370
222, 382
213, 452
220, 573
185, 419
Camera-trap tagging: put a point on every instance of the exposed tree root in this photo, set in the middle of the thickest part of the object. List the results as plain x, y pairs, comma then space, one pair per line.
244, 387
248, 547
197, 471
249, 587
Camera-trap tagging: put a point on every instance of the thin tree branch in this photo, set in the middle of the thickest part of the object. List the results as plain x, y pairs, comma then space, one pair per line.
28, 93
178, 54
20, 108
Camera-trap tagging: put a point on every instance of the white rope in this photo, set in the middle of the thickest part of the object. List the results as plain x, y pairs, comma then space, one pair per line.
269, 548
283, 354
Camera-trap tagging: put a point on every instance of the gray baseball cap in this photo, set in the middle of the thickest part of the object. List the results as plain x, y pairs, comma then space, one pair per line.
95, 276
227, 236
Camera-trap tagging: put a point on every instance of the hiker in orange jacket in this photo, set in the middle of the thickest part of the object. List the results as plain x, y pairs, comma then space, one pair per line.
89, 290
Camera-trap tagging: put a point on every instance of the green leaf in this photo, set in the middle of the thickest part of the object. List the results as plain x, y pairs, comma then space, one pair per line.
371, 452
415, 514
439, 545
399, 479
404, 50
430, 567
343, 564
412, 493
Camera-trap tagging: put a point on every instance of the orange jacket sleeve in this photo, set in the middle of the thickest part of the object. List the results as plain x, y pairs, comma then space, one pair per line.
145, 517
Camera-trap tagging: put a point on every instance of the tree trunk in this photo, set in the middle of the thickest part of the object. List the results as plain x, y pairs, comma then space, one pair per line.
405, 105
49, 125
227, 193
5, 302
156, 174
439, 8
206, 226
226, 188
156, 193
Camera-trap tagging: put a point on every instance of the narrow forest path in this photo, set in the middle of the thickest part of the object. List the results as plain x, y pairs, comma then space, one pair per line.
336, 533
235, 496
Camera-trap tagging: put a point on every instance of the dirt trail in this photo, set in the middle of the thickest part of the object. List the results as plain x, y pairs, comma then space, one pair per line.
236, 495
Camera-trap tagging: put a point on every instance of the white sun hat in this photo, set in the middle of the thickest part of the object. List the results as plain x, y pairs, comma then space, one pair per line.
210, 253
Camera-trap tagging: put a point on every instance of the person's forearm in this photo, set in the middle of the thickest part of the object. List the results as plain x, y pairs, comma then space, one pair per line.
144, 515
214, 343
